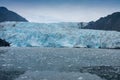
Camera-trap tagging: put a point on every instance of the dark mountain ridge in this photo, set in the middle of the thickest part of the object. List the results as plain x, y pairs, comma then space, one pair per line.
7, 15
110, 22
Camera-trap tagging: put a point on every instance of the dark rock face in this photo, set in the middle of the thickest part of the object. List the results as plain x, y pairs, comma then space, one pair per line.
6, 15
111, 22
4, 43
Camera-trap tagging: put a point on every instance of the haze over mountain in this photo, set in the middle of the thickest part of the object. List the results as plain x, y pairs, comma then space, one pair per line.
110, 22
7, 15
62, 10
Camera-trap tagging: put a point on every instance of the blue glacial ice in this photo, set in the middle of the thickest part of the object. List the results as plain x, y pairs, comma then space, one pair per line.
26, 34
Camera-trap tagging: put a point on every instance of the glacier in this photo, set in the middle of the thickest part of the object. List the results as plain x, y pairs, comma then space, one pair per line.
59, 35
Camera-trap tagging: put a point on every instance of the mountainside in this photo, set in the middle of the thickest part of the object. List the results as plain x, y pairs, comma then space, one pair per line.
110, 22
6, 15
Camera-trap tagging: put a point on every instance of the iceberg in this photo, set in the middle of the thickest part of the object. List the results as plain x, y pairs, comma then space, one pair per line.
59, 35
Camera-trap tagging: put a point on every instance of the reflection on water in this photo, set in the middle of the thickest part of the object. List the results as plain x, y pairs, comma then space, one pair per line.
59, 64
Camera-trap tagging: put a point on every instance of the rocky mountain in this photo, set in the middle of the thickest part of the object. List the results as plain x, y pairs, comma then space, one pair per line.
4, 43
7, 15
110, 22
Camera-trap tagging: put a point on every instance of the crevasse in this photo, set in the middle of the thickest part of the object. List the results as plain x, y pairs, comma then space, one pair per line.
26, 34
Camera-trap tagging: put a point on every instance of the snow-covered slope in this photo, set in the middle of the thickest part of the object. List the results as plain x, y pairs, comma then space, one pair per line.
22, 34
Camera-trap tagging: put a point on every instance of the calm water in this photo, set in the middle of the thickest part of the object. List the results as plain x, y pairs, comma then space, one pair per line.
59, 64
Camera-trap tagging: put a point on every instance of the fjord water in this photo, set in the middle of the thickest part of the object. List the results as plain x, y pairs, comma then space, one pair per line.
59, 64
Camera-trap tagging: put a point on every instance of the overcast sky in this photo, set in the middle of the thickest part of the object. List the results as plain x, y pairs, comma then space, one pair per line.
62, 10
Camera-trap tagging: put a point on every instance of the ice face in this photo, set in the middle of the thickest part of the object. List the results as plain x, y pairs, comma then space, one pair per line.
23, 34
